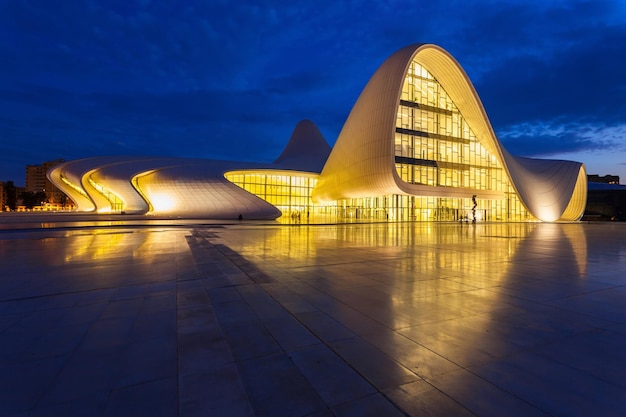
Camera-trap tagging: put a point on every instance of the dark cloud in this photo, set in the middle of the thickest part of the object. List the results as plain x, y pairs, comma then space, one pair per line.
541, 145
231, 79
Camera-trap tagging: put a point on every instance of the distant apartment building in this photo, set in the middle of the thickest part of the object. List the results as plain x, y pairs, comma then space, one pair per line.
10, 196
606, 198
4, 198
37, 181
606, 179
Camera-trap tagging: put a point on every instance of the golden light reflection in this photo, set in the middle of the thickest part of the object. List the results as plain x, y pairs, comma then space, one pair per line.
111, 244
410, 263
98, 244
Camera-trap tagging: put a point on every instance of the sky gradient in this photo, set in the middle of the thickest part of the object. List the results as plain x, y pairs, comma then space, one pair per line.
230, 80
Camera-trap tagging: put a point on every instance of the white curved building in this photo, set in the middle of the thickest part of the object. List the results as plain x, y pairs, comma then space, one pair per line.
417, 145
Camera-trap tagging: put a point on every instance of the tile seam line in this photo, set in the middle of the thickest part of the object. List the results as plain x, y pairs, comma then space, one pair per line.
198, 240
354, 369
34, 297
321, 341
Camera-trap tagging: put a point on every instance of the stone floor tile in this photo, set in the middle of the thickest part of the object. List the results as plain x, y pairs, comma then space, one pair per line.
531, 377
493, 319
371, 406
154, 399
422, 399
148, 360
335, 381
250, 340
263, 305
201, 352
276, 387
122, 308
290, 334
219, 392
194, 319
88, 406
154, 325
422, 361
324, 327
23, 383
83, 374
378, 368
483, 398
288, 299
108, 332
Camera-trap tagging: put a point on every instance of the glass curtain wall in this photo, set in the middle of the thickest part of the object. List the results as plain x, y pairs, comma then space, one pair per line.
435, 146
290, 193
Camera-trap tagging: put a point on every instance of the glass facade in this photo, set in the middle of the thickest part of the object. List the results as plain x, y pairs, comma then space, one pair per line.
435, 146
407, 152
288, 191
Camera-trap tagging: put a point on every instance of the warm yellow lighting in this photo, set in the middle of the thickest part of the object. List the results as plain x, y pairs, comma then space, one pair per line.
162, 202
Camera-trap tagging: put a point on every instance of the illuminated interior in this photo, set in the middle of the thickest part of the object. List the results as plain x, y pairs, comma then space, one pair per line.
116, 203
74, 192
289, 191
435, 146
416, 146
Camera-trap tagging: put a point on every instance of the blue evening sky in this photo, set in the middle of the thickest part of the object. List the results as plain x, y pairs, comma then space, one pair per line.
225, 79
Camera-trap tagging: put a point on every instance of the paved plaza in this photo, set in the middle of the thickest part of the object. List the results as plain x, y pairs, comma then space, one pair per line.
172, 318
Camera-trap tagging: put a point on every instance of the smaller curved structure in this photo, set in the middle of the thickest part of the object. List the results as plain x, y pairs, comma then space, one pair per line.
307, 150
185, 187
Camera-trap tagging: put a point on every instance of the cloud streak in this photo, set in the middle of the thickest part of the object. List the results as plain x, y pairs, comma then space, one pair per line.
231, 80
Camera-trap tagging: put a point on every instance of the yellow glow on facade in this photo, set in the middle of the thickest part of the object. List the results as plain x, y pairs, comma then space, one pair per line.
163, 202
435, 146
116, 203
73, 186
289, 191
417, 146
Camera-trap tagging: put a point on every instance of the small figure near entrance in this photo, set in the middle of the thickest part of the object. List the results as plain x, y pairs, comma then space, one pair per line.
474, 208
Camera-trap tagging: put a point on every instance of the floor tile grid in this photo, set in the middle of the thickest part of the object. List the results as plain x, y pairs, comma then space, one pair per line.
530, 407
67, 389
425, 356
352, 357
341, 397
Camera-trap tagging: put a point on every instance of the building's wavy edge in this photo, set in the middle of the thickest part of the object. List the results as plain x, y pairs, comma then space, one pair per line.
361, 163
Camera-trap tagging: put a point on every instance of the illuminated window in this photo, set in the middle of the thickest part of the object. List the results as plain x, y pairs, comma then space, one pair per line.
288, 191
435, 146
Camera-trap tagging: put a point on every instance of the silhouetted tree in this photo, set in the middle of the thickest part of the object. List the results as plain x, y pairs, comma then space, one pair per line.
31, 199
11, 192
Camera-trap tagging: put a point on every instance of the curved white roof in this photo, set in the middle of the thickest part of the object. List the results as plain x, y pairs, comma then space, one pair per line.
307, 150
362, 162
184, 187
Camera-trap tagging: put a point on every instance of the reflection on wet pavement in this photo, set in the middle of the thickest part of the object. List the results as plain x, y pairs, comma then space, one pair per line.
262, 319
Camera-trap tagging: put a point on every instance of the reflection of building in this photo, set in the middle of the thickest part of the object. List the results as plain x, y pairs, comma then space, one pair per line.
417, 145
